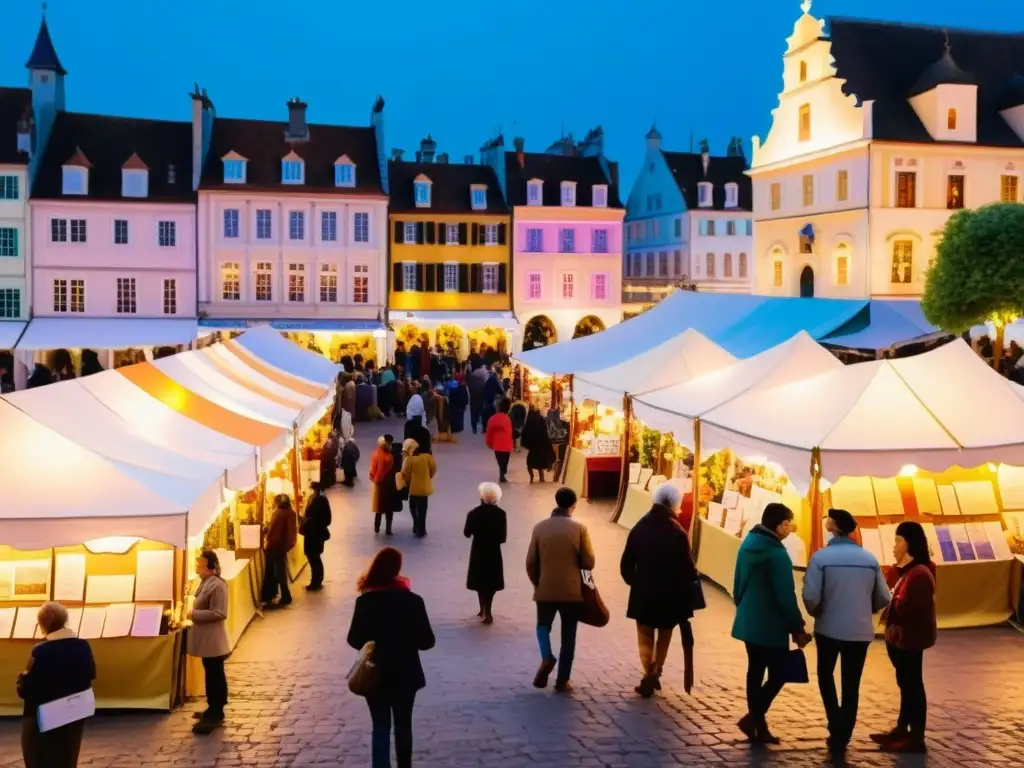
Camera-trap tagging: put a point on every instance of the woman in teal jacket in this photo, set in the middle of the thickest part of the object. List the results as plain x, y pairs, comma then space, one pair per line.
767, 615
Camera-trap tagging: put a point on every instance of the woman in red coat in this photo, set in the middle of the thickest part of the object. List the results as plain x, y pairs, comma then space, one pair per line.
910, 629
499, 437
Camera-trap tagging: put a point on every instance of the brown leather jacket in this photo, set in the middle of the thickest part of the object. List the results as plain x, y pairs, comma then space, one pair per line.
282, 533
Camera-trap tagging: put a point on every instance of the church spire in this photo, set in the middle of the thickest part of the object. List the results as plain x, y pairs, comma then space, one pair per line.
44, 55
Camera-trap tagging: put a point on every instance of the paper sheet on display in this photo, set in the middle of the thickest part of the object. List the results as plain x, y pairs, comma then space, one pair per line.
32, 579
927, 496
74, 622
976, 497
997, 537
110, 589
872, 541
147, 620
855, 495
69, 577
948, 500
26, 623
933, 541
980, 541
7, 617
730, 499
154, 575
1011, 486
964, 549
888, 534
250, 536
118, 622
93, 618
888, 499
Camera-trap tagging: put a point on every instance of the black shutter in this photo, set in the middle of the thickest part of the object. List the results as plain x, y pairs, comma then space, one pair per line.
442, 233
462, 234
476, 281
440, 276
419, 232
481, 235
501, 234
398, 231
431, 284
502, 277
431, 227
396, 278
420, 277
463, 278
475, 239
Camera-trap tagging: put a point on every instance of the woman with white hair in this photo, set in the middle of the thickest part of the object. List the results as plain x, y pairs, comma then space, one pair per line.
487, 526
658, 567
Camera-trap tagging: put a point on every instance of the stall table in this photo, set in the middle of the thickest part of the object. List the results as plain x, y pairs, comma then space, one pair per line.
636, 505
592, 476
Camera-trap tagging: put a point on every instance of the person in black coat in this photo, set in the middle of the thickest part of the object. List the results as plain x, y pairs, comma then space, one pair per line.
658, 567
315, 530
487, 526
540, 453
415, 430
59, 666
41, 376
388, 614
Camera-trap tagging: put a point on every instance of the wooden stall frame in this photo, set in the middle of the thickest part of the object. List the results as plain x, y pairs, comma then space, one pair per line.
572, 430
694, 531
627, 412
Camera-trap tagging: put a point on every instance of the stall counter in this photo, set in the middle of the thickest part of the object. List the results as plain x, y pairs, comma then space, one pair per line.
636, 505
591, 476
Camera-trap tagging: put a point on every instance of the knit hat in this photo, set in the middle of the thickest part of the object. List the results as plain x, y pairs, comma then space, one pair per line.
844, 521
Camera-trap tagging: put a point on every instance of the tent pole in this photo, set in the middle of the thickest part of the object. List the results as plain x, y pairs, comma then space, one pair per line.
695, 489
627, 410
296, 484
572, 430
816, 501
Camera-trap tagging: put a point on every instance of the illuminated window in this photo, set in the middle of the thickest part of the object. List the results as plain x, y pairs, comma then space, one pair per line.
451, 278
803, 71
170, 297
329, 283
842, 185
533, 285
775, 196
902, 261
951, 119
568, 285
906, 189
490, 278
743, 265
777, 271
361, 283
808, 186
126, 296
711, 264
10, 303
230, 281
727, 265
954, 192
1010, 189
842, 264
297, 283
264, 281
805, 122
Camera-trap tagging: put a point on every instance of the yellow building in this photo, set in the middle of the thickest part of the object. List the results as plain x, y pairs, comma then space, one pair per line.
450, 255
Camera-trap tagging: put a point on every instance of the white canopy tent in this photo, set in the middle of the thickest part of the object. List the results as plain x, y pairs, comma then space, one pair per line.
675, 408
942, 408
59, 493
680, 359
155, 422
272, 348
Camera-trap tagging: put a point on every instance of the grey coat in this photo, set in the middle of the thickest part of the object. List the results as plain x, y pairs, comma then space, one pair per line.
208, 637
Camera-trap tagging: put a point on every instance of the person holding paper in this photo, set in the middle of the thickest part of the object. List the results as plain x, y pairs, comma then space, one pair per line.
843, 589
208, 639
61, 666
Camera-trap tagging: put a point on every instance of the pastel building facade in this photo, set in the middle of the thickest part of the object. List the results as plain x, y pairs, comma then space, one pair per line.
15, 149
688, 224
567, 240
869, 155
292, 221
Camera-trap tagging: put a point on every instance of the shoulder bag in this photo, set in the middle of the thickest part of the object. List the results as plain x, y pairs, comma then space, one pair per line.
364, 676
594, 612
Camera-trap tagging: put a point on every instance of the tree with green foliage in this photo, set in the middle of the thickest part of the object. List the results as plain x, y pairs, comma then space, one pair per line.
978, 273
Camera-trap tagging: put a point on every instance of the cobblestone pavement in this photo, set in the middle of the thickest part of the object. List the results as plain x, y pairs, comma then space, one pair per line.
290, 705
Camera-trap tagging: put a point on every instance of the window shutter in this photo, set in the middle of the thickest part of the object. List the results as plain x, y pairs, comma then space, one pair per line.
476, 283
396, 278
502, 233
462, 234
420, 277
419, 232
442, 233
440, 276
431, 227
431, 284
502, 277
398, 231
476, 234
463, 278
481, 233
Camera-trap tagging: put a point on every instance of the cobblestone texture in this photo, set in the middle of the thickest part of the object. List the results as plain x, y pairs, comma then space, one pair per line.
290, 705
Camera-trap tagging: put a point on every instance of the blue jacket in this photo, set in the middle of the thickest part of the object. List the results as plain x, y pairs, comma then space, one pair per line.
843, 588
764, 591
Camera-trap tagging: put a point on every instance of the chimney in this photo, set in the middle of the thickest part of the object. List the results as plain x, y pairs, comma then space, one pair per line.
520, 146
396, 154
203, 116
443, 158
427, 148
297, 129
593, 143
705, 155
468, 159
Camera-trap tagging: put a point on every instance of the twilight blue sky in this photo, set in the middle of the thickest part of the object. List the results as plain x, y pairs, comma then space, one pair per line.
458, 70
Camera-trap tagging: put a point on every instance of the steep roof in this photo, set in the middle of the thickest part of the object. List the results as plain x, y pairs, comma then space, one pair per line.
449, 189
15, 104
553, 170
108, 143
884, 61
688, 170
262, 143
44, 55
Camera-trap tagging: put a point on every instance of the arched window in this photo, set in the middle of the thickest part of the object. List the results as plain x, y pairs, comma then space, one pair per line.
743, 265
777, 276
902, 261
803, 71
727, 265
951, 119
842, 257
711, 264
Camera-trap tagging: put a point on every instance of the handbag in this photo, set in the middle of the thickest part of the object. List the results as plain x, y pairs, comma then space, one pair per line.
794, 667
697, 601
594, 612
364, 676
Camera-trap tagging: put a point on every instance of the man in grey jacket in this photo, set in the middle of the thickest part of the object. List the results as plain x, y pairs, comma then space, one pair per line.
843, 589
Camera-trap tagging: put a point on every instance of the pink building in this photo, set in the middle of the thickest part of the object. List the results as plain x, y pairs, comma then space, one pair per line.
113, 232
567, 223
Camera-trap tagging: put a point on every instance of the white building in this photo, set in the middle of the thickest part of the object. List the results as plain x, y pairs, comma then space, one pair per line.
882, 131
15, 145
292, 222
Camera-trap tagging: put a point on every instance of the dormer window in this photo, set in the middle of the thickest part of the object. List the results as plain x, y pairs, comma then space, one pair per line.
234, 169
344, 172
704, 189
134, 178
421, 191
951, 120
293, 170
535, 192
568, 193
478, 197
732, 195
75, 177
600, 195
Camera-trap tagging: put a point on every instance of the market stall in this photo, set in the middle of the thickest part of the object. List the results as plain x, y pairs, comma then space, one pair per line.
933, 438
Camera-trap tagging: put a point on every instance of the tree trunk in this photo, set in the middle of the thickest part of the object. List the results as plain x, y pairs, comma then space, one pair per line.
997, 345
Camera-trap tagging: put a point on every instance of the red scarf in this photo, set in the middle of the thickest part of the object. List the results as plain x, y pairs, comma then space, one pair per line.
399, 582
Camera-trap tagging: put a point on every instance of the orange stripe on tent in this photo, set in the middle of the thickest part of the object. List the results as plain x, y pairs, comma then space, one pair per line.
266, 394
276, 376
162, 387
